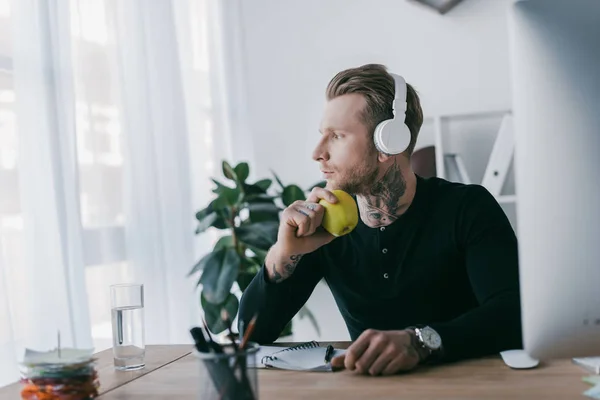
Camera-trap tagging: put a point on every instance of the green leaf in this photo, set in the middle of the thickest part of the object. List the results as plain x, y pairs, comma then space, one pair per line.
221, 222
264, 184
261, 212
223, 210
255, 193
206, 222
200, 215
212, 312
219, 187
292, 193
242, 170
260, 234
227, 197
305, 312
228, 171
219, 274
278, 180
220, 203
233, 196
263, 207
221, 213
260, 198
224, 242
256, 217
200, 265
260, 254
250, 189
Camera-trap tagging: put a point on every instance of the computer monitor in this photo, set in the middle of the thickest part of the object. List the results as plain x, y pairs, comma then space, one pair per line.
555, 62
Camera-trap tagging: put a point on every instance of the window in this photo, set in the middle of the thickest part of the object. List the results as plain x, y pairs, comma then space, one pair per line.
100, 151
101, 157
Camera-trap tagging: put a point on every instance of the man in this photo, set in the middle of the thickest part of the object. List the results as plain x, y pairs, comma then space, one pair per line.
430, 273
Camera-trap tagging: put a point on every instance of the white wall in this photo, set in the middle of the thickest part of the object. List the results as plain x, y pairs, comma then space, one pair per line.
457, 62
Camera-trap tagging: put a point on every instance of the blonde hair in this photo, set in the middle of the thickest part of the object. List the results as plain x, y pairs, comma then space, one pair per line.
377, 86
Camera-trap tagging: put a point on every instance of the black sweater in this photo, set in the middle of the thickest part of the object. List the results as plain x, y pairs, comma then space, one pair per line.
450, 262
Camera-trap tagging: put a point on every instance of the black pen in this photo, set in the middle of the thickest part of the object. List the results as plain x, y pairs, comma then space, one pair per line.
199, 340
328, 353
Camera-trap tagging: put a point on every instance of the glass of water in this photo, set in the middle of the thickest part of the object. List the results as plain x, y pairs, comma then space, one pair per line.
127, 309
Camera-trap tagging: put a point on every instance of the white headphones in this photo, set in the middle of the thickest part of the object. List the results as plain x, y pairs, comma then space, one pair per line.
392, 136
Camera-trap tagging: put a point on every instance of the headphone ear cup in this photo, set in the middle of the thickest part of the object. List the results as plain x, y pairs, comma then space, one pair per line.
380, 144
391, 137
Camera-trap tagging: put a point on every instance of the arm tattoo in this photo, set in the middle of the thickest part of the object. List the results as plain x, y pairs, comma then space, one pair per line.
288, 268
276, 275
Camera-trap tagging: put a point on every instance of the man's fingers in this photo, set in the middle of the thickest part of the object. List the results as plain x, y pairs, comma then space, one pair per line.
338, 362
315, 212
315, 208
356, 349
398, 363
303, 220
404, 361
306, 217
302, 226
318, 239
319, 193
382, 361
377, 346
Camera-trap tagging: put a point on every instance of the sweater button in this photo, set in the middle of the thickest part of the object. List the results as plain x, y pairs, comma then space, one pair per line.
385, 276
382, 228
384, 251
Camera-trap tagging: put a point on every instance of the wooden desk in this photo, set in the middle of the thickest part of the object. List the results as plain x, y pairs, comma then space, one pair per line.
171, 372
156, 357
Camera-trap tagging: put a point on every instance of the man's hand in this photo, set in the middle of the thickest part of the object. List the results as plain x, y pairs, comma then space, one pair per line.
299, 229
299, 233
381, 353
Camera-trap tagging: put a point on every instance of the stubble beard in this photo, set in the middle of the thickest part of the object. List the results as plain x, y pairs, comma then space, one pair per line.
359, 180
379, 191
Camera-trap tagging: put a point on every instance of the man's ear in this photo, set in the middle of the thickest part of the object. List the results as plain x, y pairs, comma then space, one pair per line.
382, 157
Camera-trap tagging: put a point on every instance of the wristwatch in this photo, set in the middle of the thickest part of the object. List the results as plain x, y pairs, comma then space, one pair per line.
428, 339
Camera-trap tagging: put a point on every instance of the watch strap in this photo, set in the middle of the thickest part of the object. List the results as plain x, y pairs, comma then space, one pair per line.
431, 356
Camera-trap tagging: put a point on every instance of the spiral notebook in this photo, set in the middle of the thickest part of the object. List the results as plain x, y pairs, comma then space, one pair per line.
309, 356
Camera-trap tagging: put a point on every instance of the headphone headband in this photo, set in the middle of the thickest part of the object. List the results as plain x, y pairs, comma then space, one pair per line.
399, 93
392, 136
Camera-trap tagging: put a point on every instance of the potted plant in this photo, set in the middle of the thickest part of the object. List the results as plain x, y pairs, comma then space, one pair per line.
249, 215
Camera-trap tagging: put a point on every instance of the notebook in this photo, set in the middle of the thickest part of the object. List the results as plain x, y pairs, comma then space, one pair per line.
592, 364
309, 356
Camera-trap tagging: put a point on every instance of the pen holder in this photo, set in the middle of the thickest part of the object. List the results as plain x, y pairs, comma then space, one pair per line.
229, 375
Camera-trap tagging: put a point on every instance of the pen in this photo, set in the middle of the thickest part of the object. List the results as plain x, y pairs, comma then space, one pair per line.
199, 340
328, 353
248, 332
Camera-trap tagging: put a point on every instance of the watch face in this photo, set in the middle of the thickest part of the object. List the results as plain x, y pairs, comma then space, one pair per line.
430, 338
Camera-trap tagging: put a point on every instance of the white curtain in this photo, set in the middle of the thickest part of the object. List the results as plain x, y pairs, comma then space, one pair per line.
113, 116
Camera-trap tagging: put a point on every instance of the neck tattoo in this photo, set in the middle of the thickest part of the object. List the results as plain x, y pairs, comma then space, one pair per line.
382, 205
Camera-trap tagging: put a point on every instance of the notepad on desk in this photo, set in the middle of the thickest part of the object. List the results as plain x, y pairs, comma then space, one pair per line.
591, 364
309, 356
